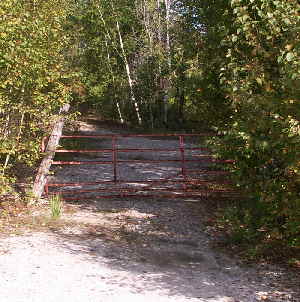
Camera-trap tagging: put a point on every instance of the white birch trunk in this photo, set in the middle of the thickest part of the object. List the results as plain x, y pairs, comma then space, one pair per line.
132, 95
113, 79
168, 50
124, 57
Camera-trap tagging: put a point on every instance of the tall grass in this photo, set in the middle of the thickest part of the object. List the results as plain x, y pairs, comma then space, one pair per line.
56, 204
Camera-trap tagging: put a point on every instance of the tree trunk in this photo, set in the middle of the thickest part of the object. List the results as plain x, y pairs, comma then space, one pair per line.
119, 110
124, 57
132, 95
168, 51
14, 148
41, 177
181, 106
113, 80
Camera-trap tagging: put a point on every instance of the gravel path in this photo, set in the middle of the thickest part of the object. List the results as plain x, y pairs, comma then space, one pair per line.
131, 250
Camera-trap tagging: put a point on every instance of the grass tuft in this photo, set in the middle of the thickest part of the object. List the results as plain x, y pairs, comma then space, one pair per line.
56, 204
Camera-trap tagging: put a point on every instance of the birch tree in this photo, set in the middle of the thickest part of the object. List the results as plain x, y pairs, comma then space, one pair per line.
128, 72
137, 34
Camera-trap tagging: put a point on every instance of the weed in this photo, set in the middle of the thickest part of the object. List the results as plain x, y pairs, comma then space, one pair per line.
56, 204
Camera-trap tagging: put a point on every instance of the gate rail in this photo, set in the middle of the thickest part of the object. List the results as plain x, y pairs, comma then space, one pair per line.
186, 181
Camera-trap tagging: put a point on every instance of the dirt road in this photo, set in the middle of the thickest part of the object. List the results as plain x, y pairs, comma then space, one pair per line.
130, 250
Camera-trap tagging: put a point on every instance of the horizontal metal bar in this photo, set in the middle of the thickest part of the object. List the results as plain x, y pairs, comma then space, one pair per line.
102, 183
158, 181
103, 190
124, 190
130, 150
197, 194
141, 189
81, 162
172, 181
206, 160
156, 161
84, 151
141, 135
140, 161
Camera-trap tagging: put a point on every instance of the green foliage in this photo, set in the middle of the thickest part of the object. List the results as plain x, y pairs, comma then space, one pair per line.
100, 58
5, 185
34, 76
152, 64
258, 74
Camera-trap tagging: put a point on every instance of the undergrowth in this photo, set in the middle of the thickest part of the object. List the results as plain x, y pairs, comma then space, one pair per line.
248, 235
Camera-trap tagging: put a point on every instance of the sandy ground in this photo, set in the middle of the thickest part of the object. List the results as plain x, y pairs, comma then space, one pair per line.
152, 250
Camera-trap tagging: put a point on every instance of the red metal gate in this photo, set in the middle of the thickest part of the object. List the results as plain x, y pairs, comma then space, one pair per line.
191, 169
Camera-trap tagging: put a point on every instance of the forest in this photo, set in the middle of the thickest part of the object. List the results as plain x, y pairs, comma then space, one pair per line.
227, 66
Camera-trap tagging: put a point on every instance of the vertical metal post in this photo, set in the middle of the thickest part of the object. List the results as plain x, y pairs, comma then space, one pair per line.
114, 157
181, 142
46, 189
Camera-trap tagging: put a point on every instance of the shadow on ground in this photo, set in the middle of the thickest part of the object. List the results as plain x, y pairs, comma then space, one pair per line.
154, 246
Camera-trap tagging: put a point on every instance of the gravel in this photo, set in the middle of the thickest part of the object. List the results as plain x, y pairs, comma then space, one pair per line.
138, 249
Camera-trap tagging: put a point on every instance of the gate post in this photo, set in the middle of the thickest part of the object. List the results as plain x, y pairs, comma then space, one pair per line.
114, 157
181, 142
46, 189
